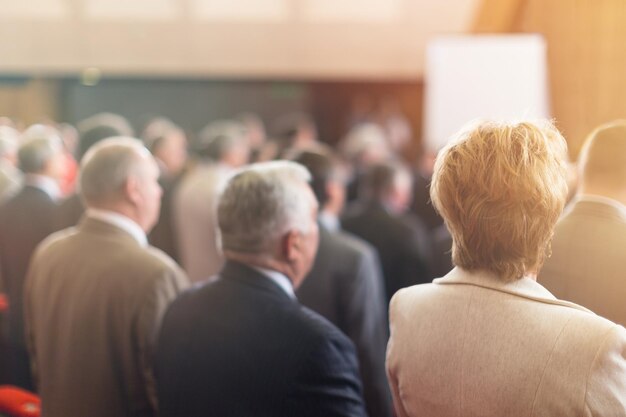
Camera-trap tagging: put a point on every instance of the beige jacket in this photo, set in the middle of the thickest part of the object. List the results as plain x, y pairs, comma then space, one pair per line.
589, 259
94, 301
469, 345
195, 220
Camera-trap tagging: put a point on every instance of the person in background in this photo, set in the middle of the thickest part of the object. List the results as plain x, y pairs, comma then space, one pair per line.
91, 131
365, 145
241, 345
487, 339
96, 293
255, 134
379, 217
589, 245
25, 220
345, 284
10, 175
168, 144
221, 147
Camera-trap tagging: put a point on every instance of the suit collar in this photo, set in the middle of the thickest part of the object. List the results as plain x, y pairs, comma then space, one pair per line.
524, 287
247, 275
596, 207
120, 221
102, 228
43, 183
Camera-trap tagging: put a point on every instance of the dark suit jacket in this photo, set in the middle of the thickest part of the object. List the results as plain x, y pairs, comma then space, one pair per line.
163, 235
70, 211
345, 286
25, 220
403, 247
240, 346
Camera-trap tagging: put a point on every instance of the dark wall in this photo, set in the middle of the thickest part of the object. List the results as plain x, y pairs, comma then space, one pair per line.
193, 103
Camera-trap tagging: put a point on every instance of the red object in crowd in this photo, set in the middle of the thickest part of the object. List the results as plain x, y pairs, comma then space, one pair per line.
4, 303
16, 402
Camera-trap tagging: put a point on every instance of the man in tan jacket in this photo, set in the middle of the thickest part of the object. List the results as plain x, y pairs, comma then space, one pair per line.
487, 339
589, 247
95, 294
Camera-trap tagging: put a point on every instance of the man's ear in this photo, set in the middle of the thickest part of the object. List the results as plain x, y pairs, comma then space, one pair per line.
131, 189
291, 245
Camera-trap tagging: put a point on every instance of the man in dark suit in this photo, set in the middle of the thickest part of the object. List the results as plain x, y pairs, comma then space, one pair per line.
378, 217
345, 284
241, 344
25, 220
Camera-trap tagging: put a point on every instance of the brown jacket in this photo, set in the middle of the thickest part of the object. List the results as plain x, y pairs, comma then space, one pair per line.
471, 345
94, 301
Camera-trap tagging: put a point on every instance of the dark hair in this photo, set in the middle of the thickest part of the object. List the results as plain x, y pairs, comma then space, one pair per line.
323, 168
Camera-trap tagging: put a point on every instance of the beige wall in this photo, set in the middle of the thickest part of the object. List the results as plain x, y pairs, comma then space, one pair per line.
366, 39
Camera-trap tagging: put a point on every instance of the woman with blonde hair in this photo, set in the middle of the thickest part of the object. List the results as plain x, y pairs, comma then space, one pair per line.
487, 339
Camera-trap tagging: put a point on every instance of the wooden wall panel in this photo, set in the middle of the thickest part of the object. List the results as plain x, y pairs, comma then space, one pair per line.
586, 56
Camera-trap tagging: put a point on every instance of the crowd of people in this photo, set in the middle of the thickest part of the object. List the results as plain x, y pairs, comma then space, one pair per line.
229, 273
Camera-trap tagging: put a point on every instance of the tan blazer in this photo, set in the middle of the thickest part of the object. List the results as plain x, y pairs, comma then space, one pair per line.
195, 220
94, 301
469, 345
588, 262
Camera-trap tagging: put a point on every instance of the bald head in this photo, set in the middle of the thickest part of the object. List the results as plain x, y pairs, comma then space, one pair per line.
603, 159
107, 166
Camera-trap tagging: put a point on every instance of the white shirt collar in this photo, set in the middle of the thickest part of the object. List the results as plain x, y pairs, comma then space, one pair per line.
44, 183
279, 279
121, 221
594, 198
329, 221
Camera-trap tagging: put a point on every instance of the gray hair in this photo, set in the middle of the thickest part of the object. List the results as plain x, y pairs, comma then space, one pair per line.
219, 137
9, 140
263, 202
107, 166
41, 144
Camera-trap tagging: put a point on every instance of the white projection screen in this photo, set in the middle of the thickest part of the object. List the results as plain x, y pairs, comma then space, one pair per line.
482, 77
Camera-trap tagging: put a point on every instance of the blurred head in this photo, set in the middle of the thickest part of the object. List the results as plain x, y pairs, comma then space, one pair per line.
328, 178
120, 175
267, 216
224, 141
101, 126
501, 187
388, 183
603, 161
9, 143
168, 143
255, 129
364, 145
294, 130
41, 152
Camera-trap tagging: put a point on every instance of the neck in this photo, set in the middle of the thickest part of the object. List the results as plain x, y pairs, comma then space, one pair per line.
262, 261
122, 209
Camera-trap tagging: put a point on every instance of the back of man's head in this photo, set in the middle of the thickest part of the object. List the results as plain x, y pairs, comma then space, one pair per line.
223, 141
41, 147
9, 143
603, 158
263, 202
324, 168
106, 167
99, 127
385, 183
